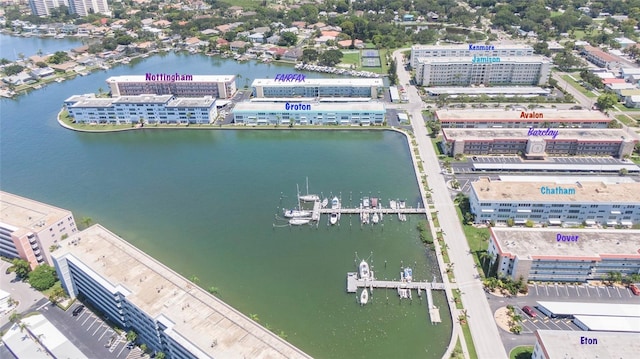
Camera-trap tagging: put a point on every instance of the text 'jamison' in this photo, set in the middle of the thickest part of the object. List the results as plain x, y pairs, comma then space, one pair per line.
168, 77
558, 190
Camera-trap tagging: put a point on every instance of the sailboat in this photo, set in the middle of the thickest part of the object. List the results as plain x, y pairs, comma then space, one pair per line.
299, 221
296, 212
309, 197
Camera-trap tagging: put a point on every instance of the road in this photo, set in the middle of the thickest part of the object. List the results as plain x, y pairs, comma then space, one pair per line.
22, 292
583, 100
484, 331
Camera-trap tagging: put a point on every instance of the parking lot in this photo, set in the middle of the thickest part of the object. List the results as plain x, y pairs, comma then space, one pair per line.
88, 332
542, 322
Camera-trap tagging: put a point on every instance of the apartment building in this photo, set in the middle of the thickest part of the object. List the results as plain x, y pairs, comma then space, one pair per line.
479, 70
551, 344
150, 109
44, 7
28, 229
601, 58
338, 87
467, 50
521, 119
86, 7
555, 203
169, 313
563, 254
538, 143
181, 85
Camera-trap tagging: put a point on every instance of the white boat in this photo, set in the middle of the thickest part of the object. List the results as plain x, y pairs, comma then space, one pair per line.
375, 218
309, 197
296, 213
364, 296
299, 221
402, 204
363, 270
365, 202
401, 216
364, 216
393, 204
335, 216
325, 202
408, 274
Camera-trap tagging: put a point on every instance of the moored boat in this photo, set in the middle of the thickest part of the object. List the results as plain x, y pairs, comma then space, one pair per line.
375, 218
408, 274
295, 213
364, 296
299, 221
363, 270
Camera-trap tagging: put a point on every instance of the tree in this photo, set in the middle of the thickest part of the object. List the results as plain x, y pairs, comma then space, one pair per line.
144, 347
21, 267
309, 55
43, 277
161, 355
132, 336
566, 60
331, 57
59, 57
213, 290
14, 69
288, 38
606, 101
86, 221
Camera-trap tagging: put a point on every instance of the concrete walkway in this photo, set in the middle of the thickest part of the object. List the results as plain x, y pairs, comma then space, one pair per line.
20, 291
484, 331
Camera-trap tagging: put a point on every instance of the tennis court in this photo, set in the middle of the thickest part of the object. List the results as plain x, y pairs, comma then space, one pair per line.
370, 58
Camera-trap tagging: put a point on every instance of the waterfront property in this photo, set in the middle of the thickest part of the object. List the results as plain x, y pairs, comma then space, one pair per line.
182, 85
493, 91
538, 143
588, 345
29, 228
555, 203
339, 87
151, 109
467, 50
309, 113
521, 119
564, 254
466, 70
169, 313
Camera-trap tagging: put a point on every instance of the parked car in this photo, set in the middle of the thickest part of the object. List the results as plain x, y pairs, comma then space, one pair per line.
78, 310
527, 309
634, 289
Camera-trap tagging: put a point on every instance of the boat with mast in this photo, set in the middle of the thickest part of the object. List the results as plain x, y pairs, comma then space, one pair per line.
334, 217
308, 197
297, 212
299, 221
363, 270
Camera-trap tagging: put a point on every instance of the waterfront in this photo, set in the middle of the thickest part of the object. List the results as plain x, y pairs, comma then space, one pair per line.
203, 202
13, 46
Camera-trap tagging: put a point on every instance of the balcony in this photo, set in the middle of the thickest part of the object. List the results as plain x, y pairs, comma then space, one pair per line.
32, 239
37, 252
34, 246
40, 259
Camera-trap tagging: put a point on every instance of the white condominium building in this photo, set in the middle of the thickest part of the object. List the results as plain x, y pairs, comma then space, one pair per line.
340, 87
467, 50
169, 313
482, 70
86, 7
150, 109
552, 344
555, 203
182, 85
28, 229
563, 254
43, 7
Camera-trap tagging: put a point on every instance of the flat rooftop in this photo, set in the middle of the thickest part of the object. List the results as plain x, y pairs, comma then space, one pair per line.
591, 244
466, 47
585, 192
143, 99
207, 101
602, 309
336, 82
197, 316
566, 344
575, 134
315, 106
515, 116
196, 78
92, 102
23, 214
507, 90
468, 60
610, 324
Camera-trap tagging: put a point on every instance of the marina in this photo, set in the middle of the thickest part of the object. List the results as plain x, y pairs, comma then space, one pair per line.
364, 279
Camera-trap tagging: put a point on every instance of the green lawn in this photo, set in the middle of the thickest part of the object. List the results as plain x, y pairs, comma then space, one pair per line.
578, 87
521, 352
351, 58
627, 121
469, 340
475, 239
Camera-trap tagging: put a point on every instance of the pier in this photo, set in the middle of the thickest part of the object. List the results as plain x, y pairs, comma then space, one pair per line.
353, 283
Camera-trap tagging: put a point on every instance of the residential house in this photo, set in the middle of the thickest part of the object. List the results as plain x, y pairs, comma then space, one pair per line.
19, 79
600, 58
624, 42
43, 72
80, 49
194, 43
258, 37
358, 44
273, 39
299, 24
223, 28
237, 45
209, 32
293, 29
162, 23
632, 101
292, 54
221, 42
64, 67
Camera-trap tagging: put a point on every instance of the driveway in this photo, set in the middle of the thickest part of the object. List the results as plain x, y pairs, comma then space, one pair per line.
21, 291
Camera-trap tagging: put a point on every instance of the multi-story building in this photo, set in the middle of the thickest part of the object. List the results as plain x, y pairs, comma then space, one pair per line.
151, 109
468, 50
309, 112
168, 313
553, 344
86, 7
555, 203
538, 143
339, 87
28, 229
43, 7
563, 254
476, 70
182, 85
521, 119
601, 58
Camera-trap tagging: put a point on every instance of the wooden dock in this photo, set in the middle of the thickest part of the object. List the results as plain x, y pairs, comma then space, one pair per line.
353, 283
321, 210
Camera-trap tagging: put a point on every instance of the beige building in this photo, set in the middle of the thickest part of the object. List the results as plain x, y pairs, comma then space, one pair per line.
29, 228
521, 119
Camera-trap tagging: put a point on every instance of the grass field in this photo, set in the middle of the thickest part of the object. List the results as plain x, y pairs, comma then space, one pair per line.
578, 87
521, 352
469, 341
351, 58
477, 238
627, 121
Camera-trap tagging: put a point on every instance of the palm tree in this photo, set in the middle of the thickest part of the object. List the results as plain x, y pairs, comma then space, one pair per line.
213, 290
86, 221
132, 336
161, 355
14, 317
194, 279
254, 317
